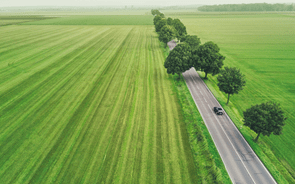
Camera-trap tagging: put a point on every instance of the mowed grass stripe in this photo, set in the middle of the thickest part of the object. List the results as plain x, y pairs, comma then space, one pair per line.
151, 171
45, 67
66, 136
94, 119
61, 159
113, 112
125, 125
63, 87
176, 130
126, 115
145, 108
76, 118
19, 35
18, 58
40, 40
141, 105
38, 57
18, 89
131, 140
40, 81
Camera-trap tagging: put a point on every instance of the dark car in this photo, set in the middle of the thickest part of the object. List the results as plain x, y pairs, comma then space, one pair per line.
218, 110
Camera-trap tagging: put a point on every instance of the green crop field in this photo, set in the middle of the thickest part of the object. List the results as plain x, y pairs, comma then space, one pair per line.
89, 104
97, 20
262, 46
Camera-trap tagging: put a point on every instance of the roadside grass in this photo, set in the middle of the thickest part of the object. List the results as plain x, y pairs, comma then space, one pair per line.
262, 47
89, 104
97, 20
206, 157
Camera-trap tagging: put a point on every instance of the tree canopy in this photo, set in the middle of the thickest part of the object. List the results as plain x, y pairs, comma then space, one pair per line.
178, 60
162, 15
265, 118
161, 23
167, 33
231, 81
180, 28
155, 12
170, 21
156, 19
192, 40
208, 58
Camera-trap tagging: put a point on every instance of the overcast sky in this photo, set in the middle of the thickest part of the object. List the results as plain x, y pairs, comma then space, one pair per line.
4, 3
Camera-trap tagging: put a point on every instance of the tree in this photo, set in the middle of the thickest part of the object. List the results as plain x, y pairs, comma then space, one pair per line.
162, 15
208, 58
155, 12
167, 33
231, 81
192, 40
161, 23
265, 119
180, 28
170, 21
156, 19
178, 60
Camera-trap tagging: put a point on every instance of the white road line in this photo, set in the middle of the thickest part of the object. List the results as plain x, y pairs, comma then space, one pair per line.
201, 92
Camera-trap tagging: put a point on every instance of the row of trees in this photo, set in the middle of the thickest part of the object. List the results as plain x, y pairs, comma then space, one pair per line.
265, 118
169, 28
248, 7
190, 53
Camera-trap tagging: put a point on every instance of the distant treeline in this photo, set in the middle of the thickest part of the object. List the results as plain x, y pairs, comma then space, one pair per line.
248, 7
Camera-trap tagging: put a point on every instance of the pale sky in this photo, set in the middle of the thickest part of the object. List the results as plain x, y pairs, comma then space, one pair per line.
5, 3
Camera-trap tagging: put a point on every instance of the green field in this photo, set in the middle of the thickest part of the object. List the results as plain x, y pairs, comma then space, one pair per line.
89, 104
17, 19
97, 20
262, 46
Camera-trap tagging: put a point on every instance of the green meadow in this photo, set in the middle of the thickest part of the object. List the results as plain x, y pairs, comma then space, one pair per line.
262, 46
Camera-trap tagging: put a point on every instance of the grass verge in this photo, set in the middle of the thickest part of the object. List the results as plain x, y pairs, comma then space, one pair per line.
206, 157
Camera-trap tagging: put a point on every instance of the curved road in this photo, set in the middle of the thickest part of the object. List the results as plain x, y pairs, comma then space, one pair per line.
242, 164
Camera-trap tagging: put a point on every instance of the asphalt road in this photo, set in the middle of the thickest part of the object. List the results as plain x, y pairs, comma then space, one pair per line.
240, 161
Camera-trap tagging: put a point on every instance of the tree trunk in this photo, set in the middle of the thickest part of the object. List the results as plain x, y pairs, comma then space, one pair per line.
227, 99
257, 137
206, 75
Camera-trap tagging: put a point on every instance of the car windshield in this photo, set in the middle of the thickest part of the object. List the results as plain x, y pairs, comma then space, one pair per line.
219, 109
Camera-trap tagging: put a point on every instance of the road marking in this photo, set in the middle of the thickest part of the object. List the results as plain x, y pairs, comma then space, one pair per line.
201, 92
